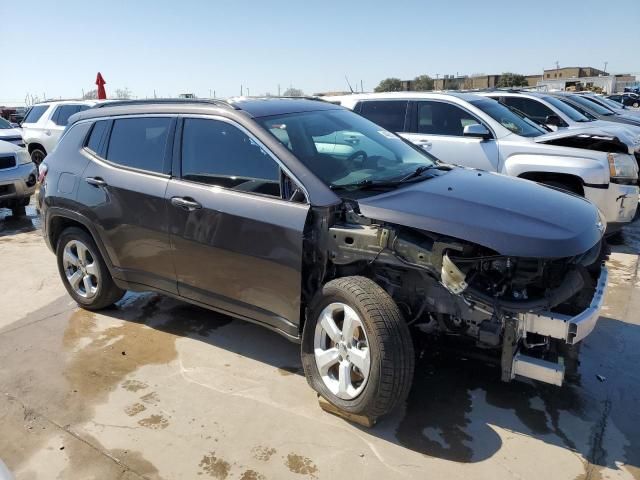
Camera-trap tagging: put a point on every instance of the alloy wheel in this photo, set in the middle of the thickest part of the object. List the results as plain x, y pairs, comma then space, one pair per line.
341, 351
81, 269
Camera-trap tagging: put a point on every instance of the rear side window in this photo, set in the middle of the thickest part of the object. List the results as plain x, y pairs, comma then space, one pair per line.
531, 108
139, 143
95, 138
35, 113
63, 112
218, 153
389, 114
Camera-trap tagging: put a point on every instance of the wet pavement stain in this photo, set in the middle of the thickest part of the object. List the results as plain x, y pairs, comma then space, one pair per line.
263, 453
214, 466
252, 475
301, 465
134, 409
134, 385
154, 422
151, 398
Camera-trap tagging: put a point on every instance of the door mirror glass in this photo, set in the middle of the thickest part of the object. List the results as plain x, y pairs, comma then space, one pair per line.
477, 130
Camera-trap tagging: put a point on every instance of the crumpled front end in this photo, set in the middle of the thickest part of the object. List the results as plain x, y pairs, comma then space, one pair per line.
524, 313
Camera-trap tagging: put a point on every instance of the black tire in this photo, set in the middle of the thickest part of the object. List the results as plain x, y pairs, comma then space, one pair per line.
390, 346
108, 292
37, 156
19, 211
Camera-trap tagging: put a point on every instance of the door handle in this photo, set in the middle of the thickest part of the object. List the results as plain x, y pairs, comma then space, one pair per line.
96, 181
186, 203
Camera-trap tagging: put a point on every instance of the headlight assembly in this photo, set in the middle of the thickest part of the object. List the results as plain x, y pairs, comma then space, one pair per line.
622, 166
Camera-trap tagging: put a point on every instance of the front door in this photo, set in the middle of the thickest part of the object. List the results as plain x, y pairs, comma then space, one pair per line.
237, 243
438, 127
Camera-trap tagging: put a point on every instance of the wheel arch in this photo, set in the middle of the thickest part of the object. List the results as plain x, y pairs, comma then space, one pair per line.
35, 145
574, 183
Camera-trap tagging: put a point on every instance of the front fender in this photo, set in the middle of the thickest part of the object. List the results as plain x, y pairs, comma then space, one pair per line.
591, 171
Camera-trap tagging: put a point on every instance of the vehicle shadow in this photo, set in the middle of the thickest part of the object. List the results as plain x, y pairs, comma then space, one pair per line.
10, 225
458, 409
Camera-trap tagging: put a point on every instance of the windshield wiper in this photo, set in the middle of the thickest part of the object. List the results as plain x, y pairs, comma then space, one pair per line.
370, 184
417, 172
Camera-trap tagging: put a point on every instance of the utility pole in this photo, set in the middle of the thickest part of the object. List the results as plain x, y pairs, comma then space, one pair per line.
240, 89
248, 94
278, 89
557, 65
605, 66
361, 87
209, 93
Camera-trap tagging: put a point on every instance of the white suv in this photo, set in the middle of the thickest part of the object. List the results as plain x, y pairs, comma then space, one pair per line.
44, 123
474, 131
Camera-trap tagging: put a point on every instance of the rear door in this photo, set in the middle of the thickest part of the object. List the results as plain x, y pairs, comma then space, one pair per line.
237, 242
124, 188
438, 127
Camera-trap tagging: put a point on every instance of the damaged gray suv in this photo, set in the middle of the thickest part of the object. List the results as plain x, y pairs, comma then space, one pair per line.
310, 220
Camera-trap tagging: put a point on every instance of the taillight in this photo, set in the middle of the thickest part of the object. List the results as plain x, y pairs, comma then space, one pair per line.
42, 172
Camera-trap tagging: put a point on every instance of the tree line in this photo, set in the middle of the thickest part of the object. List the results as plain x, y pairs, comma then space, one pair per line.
423, 83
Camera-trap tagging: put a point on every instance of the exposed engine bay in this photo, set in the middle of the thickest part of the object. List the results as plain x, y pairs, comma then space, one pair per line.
597, 142
500, 307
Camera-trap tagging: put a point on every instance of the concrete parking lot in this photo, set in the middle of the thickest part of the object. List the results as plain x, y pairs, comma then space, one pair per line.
156, 388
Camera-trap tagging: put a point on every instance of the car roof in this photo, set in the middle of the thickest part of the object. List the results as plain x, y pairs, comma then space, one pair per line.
251, 106
468, 97
65, 102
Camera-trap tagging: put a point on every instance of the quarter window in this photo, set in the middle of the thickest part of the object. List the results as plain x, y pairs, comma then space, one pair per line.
34, 113
218, 153
389, 114
439, 118
139, 143
95, 138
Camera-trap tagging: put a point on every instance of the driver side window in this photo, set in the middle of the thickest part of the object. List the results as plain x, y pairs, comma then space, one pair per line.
439, 118
218, 153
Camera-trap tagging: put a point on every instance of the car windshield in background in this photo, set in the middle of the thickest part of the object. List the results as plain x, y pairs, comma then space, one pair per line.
343, 148
508, 118
568, 110
589, 105
4, 124
610, 103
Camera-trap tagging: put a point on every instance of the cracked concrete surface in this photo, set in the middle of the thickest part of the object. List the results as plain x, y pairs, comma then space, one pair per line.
156, 388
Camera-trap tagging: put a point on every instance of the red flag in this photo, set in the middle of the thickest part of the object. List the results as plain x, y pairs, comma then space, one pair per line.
102, 93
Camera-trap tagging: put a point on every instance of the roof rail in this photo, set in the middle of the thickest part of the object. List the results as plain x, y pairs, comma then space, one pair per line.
165, 101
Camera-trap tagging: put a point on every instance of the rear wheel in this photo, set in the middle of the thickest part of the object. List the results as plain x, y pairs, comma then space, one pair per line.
83, 271
37, 156
356, 348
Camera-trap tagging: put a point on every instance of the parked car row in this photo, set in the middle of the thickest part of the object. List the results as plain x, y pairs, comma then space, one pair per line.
329, 228
475, 130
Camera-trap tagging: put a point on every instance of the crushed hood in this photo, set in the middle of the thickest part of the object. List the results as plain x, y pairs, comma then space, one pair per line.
586, 138
511, 216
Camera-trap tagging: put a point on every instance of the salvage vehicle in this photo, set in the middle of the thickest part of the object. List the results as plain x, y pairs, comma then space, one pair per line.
44, 123
626, 99
552, 113
470, 130
11, 134
579, 102
17, 178
251, 207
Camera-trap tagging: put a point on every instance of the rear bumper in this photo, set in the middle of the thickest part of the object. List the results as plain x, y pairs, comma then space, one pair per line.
566, 328
618, 203
17, 183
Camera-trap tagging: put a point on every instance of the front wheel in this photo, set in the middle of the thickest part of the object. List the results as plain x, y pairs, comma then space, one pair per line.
357, 351
37, 156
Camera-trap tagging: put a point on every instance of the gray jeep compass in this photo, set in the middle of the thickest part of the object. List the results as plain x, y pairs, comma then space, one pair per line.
310, 220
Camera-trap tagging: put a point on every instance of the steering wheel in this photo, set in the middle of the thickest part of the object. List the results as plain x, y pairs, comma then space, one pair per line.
356, 154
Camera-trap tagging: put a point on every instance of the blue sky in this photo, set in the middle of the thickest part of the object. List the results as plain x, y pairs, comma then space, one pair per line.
56, 47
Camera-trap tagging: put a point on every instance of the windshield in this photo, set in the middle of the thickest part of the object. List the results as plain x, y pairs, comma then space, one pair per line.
4, 124
600, 102
509, 119
589, 105
611, 104
568, 110
343, 148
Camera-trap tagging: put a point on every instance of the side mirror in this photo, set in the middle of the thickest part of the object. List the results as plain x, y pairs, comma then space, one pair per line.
477, 131
554, 120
